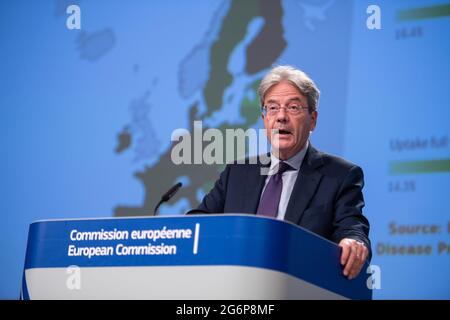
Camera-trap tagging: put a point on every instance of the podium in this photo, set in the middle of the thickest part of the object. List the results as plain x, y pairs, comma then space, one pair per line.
184, 257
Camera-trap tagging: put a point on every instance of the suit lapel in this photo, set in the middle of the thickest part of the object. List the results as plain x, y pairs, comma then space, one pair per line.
305, 185
254, 183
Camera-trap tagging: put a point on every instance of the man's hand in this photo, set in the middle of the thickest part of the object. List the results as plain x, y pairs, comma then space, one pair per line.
354, 254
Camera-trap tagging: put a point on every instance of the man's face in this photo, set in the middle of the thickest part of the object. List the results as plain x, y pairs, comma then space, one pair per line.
293, 129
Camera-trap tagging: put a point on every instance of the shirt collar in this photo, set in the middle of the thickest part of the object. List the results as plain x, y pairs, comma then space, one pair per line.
295, 161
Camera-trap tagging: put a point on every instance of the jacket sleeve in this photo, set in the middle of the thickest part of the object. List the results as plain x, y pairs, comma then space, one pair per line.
349, 221
214, 201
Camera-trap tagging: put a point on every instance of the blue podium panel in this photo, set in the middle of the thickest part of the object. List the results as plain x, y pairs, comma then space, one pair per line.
183, 257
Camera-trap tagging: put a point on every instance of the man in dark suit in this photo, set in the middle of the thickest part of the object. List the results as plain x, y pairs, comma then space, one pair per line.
317, 191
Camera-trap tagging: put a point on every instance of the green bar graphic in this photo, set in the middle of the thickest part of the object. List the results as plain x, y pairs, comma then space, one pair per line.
424, 13
407, 167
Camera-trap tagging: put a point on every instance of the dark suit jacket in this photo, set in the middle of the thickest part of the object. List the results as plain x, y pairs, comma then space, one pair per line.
326, 199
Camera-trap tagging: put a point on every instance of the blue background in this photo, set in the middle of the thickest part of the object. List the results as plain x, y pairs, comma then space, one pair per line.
67, 95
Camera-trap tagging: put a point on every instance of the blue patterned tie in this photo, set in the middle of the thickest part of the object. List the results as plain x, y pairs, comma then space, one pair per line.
268, 206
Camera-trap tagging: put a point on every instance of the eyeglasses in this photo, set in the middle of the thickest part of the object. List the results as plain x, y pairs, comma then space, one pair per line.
293, 109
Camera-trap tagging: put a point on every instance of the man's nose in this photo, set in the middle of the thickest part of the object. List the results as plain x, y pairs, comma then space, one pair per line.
282, 115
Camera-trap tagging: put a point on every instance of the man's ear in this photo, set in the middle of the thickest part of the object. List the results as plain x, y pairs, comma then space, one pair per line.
313, 123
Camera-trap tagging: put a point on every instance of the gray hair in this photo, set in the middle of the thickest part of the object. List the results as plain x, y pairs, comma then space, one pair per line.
297, 78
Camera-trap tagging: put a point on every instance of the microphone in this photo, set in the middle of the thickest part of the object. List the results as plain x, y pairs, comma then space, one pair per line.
168, 195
